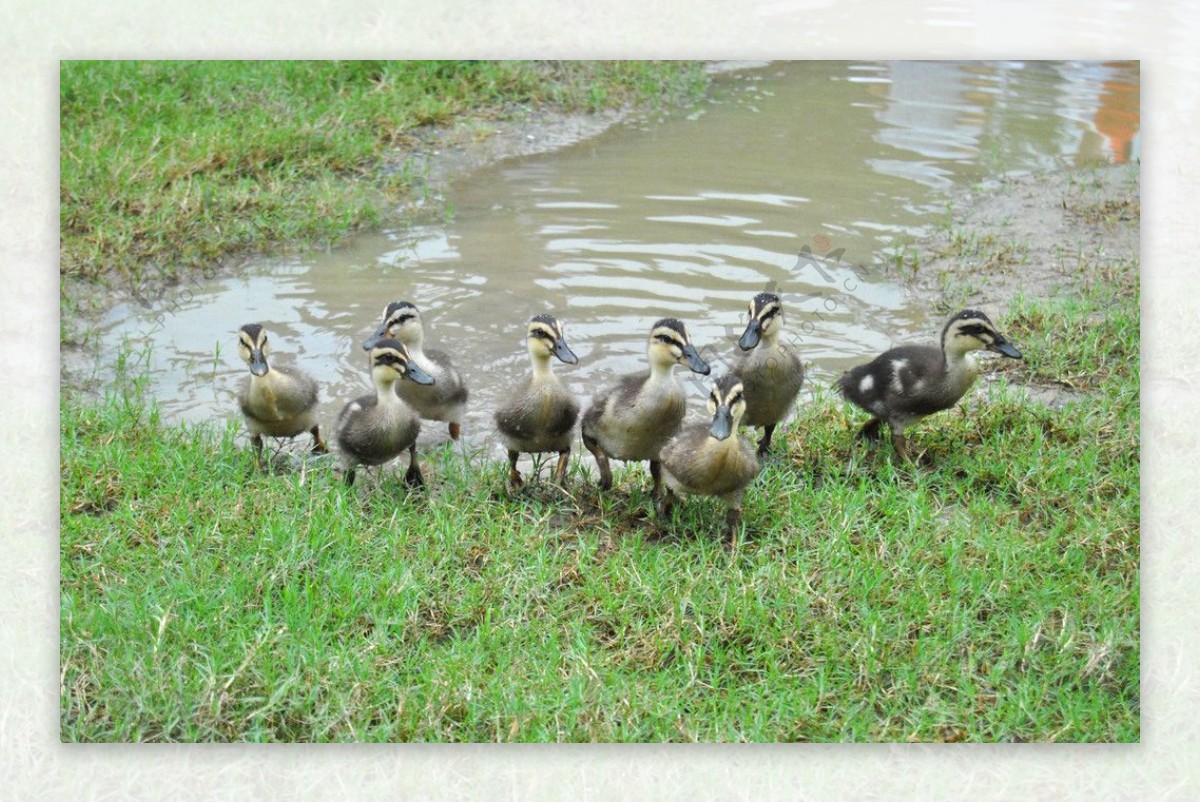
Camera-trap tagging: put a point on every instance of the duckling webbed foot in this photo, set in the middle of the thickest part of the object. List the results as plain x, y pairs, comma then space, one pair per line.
455, 430
514, 476
413, 477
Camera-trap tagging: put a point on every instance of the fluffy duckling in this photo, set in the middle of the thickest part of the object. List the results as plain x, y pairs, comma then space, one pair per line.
444, 399
636, 416
907, 383
712, 459
540, 413
374, 429
275, 401
770, 369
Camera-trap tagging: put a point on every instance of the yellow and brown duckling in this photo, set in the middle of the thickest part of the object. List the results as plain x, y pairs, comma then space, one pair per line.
907, 383
636, 416
446, 398
539, 414
375, 428
276, 401
770, 369
711, 459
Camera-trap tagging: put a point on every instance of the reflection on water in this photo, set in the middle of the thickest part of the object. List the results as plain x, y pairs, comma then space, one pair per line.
796, 177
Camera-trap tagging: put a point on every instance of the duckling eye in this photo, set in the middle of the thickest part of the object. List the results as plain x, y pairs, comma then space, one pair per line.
668, 340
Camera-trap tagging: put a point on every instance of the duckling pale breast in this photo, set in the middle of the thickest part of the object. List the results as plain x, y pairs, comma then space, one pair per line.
540, 418
281, 403
772, 377
696, 463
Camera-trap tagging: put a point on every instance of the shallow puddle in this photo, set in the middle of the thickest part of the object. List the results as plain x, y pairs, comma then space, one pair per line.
803, 178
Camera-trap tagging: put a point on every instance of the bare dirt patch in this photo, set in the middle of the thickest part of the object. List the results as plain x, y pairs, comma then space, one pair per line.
1037, 236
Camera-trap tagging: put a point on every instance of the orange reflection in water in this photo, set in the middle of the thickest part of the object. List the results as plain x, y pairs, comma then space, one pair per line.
1119, 117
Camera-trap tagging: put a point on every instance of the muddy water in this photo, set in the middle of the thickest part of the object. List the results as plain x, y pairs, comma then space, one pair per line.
803, 178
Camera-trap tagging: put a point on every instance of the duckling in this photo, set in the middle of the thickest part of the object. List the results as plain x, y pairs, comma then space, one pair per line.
373, 429
280, 402
770, 369
540, 413
907, 383
446, 397
636, 416
712, 459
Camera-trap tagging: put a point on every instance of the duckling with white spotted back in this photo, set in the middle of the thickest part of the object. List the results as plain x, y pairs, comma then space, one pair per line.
375, 429
710, 458
907, 383
539, 414
634, 418
276, 401
446, 398
770, 369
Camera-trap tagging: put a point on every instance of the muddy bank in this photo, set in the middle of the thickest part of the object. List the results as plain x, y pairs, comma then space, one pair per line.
1038, 236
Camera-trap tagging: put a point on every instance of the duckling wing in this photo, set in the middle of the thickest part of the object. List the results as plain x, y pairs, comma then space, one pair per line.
620, 396
453, 390
302, 393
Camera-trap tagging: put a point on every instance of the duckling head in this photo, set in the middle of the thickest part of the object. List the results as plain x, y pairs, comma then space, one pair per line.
766, 319
401, 321
390, 362
971, 330
546, 339
252, 347
727, 405
670, 343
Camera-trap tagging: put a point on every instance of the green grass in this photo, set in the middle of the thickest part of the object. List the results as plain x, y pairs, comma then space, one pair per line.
989, 592
170, 165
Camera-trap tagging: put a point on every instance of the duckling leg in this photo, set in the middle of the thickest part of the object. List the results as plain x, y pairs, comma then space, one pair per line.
514, 476
319, 446
413, 476
350, 475
257, 442
764, 445
601, 462
560, 473
900, 443
656, 476
666, 503
732, 519
870, 430
455, 430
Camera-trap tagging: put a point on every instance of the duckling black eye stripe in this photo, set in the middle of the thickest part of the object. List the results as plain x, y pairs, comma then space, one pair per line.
975, 329
669, 340
389, 359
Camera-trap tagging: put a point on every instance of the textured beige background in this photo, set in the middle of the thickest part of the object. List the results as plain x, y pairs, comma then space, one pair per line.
35, 34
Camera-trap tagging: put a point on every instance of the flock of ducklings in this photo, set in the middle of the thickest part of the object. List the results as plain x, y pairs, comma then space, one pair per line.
637, 417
